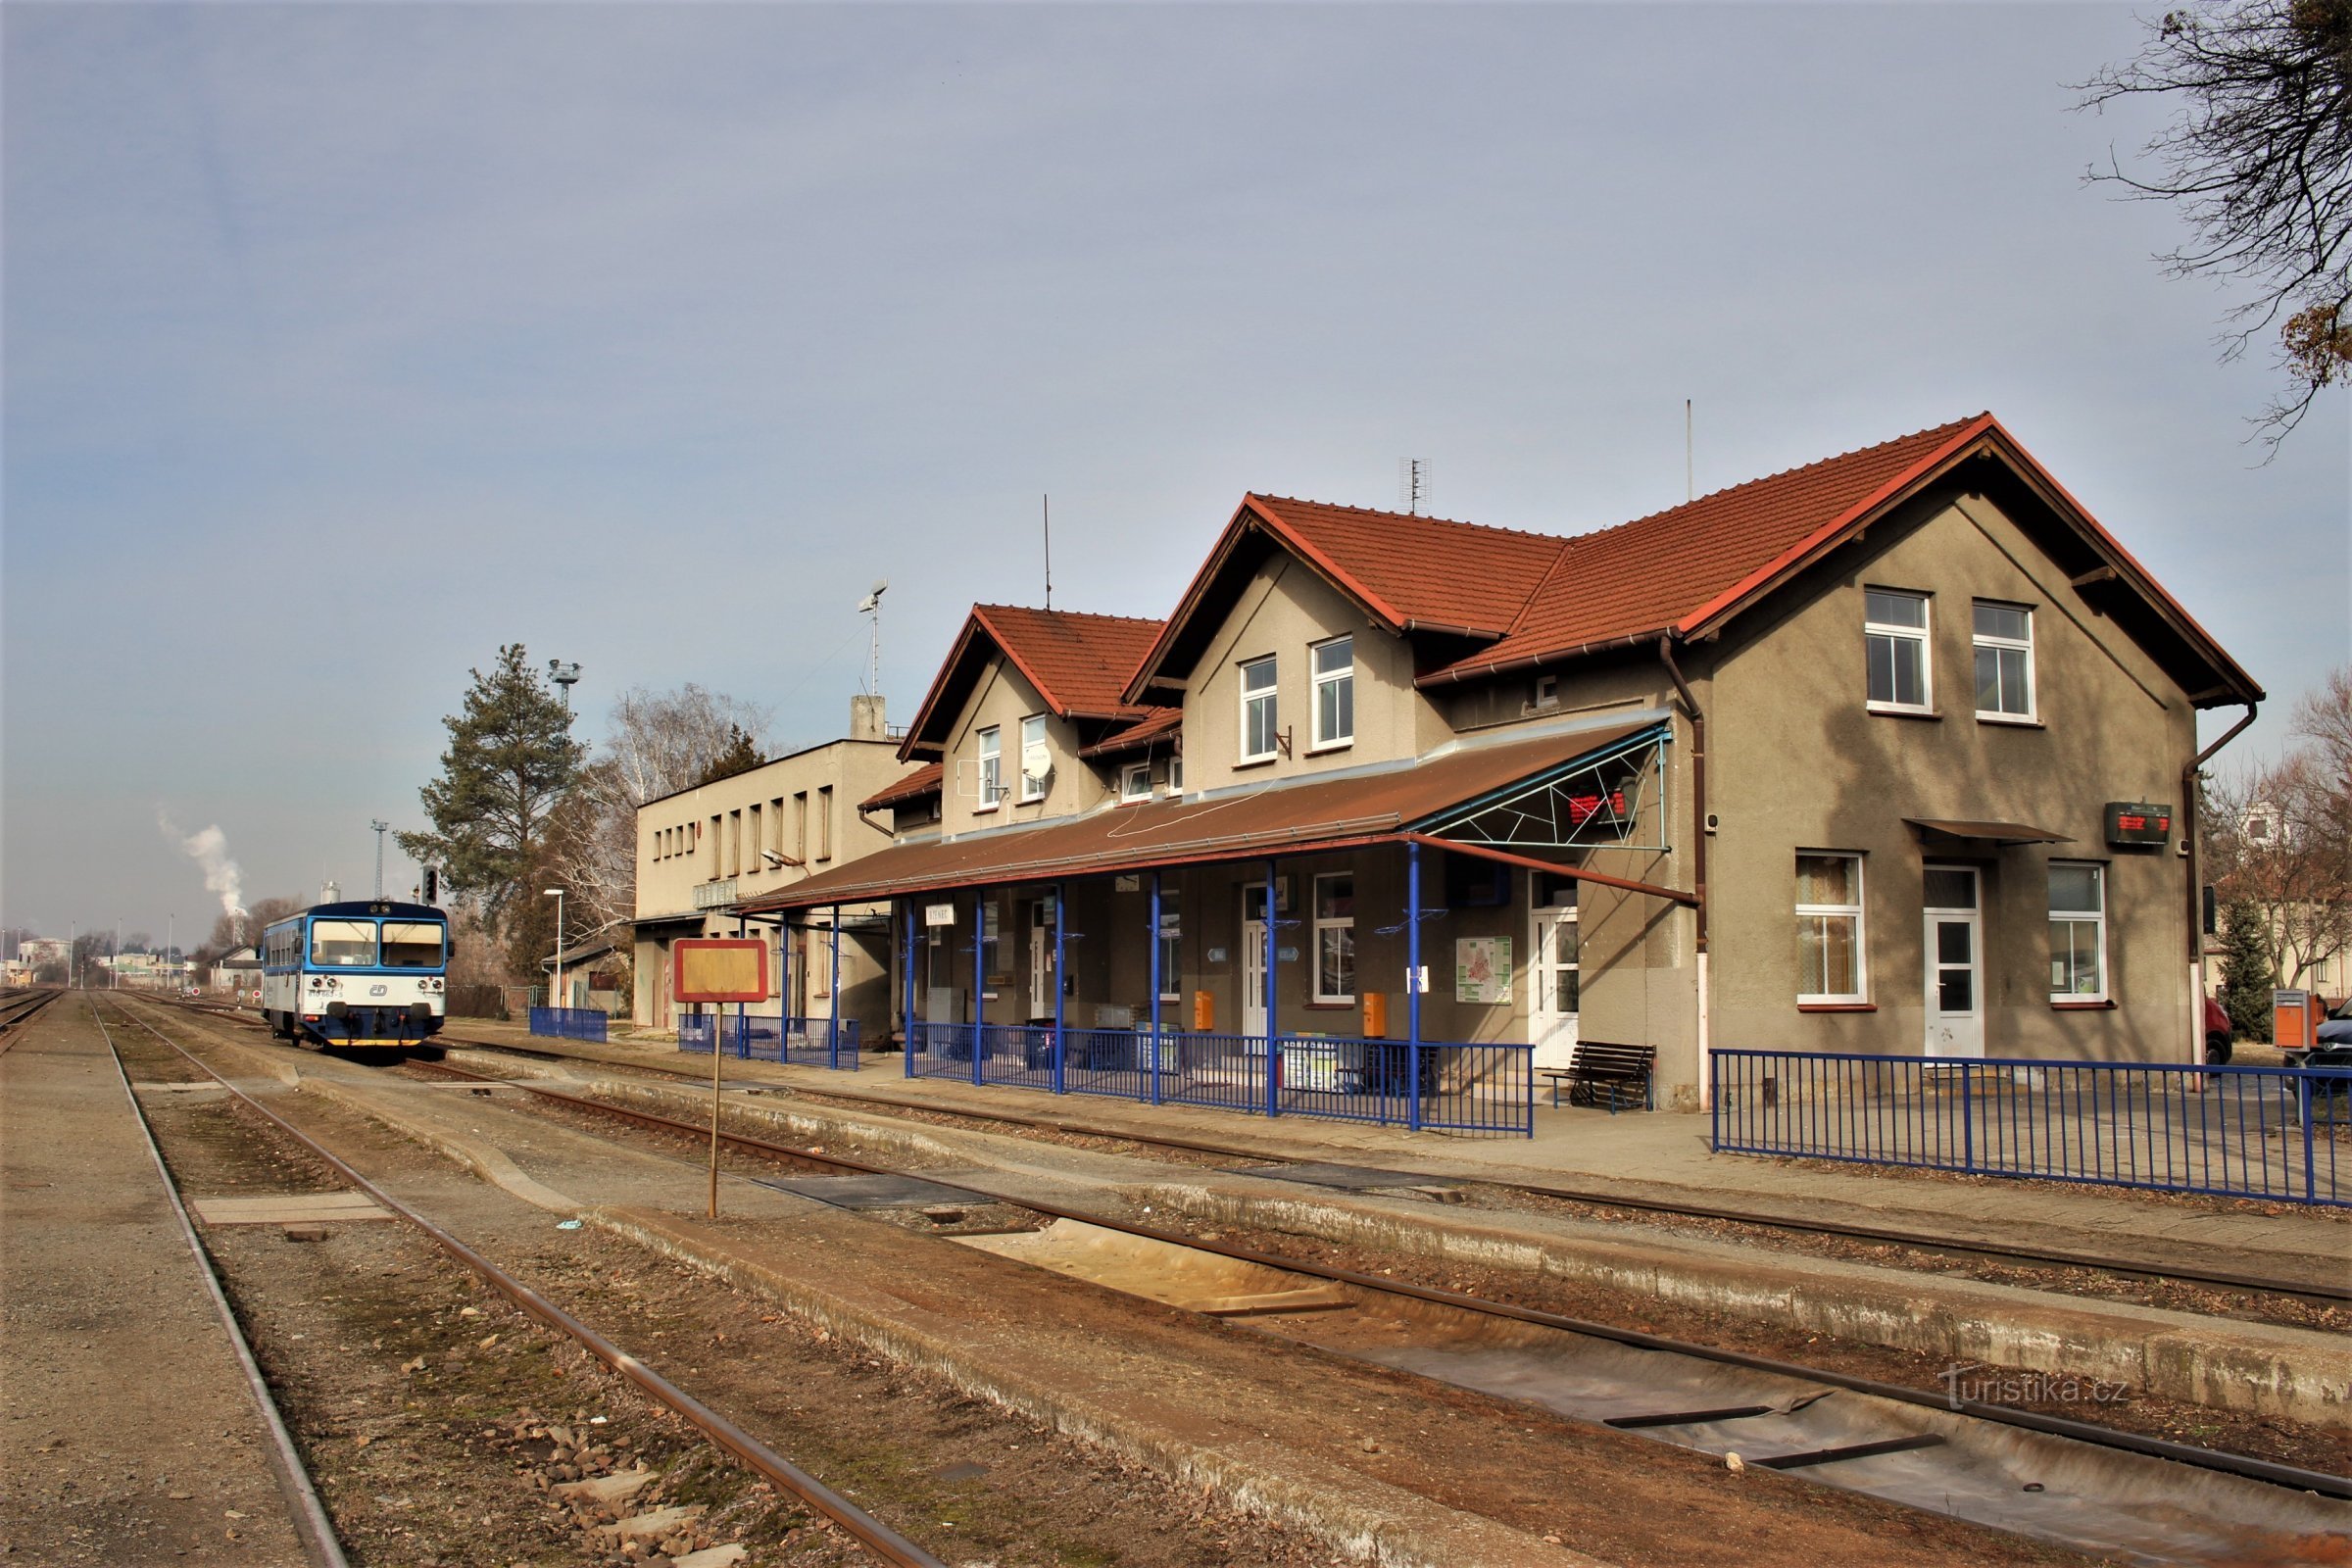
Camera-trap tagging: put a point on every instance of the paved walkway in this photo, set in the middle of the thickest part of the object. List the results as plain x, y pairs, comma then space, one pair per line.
1662, 1155
129, 1435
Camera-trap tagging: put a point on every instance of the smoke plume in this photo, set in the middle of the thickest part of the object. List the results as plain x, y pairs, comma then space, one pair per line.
210, 850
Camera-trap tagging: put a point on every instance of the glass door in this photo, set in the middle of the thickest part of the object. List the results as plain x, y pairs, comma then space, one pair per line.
1253, 960
1955, 962
1553, 998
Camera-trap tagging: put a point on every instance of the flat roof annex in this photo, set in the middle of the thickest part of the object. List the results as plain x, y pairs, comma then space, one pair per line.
1285, 819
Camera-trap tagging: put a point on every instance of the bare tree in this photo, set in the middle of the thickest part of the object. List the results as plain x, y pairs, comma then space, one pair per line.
2280, 837
660, 742
2258, 156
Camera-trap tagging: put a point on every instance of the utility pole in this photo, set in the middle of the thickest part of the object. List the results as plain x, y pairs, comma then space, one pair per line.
380, 828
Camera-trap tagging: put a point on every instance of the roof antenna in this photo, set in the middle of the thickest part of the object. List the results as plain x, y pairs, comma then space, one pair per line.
1690, 463
871, 605
1049, 505
1412, 484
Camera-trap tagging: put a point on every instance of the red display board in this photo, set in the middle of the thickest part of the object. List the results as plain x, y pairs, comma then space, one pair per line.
719, 969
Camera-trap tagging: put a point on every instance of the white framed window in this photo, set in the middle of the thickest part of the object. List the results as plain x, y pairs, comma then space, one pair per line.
1257, 709
1335, 937
2078, 932
1547, 691
1176, 774
1134, 781
1334, 668
1171, 945
2004, 636
1035, 764
1894, 631
1830, 952
991, 768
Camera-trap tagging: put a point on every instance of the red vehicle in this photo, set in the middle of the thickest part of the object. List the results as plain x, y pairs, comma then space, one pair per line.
2217, 1034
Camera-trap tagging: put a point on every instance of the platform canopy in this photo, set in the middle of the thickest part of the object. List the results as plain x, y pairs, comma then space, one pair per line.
1444, 794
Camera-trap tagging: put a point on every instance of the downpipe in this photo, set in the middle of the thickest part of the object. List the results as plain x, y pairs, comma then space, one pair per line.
1699, 861
2194, 903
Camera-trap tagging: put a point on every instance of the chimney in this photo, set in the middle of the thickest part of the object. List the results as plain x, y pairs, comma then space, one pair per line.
866, 717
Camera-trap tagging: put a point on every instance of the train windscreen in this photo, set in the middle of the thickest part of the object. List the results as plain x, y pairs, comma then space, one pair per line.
412, 945
343, 942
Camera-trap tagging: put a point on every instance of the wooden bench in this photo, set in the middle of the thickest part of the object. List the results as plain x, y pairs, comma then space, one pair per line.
1599, 1064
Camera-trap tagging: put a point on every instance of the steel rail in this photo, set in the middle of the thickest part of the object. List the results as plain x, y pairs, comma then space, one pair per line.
310, 1521
2241, 1465
2187, 1274
869, 1532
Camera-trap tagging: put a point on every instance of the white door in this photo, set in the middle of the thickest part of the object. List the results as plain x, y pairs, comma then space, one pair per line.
1954, 963
1040, 959
1553, 985
1253, 960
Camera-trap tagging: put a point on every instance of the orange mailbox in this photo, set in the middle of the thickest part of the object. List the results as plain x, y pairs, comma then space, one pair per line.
2295, 1019
1204, 1013
1376, 1015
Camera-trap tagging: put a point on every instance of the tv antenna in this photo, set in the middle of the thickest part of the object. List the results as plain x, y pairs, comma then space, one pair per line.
871, 605
1049, 511
1412, 485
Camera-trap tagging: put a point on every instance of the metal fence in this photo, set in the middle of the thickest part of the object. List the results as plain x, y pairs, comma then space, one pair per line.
1455, 1088
2239, 1132
801, 1042
571, 1024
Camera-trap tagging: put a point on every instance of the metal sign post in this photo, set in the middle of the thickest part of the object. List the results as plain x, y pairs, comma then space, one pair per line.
718, 969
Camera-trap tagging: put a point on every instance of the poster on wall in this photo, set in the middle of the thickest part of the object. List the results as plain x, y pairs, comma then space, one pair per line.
1482, 969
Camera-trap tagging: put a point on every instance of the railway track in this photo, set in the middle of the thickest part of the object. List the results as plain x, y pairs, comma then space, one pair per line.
2023, 1257
20, 1007
881, 1541
1849, 1439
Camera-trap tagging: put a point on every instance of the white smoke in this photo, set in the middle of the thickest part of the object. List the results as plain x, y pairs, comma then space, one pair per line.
210, 850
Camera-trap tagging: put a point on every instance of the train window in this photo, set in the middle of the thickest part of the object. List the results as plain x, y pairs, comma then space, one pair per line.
343, 942
412, 945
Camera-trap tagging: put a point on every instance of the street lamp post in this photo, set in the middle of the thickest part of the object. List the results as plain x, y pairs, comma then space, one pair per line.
557, 893
380, 826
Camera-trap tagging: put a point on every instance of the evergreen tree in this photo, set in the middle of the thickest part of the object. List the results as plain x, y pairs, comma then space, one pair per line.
510, 756
2247, 972
741, 756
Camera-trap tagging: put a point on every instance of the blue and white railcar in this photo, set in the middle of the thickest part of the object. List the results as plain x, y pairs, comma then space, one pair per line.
368, 973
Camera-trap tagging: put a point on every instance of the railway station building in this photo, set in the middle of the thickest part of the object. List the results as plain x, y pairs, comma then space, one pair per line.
1891, 754
754, 834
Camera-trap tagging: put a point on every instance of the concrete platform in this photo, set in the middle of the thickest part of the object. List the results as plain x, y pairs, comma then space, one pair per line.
129, 1435
1659, 1155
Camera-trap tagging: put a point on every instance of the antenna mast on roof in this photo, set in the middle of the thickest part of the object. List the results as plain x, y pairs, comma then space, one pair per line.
1412, 484
1690, 463
871, 605
1049, 508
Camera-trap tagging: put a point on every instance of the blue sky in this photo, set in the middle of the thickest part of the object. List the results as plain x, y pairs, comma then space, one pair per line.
344, 343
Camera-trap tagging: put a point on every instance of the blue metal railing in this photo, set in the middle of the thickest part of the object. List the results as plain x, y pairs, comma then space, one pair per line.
2235, 1132
1460, 1088
571, 1024
754, 1037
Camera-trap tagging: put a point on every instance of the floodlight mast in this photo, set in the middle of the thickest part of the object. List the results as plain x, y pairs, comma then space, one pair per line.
565, 676
871, 605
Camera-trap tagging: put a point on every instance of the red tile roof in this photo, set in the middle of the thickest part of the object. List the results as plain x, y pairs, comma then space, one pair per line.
1535, 598
1078, 663
913, 787
1671, 569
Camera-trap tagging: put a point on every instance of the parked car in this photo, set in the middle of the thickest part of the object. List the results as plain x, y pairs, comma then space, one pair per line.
2336, 1028
2217, 1034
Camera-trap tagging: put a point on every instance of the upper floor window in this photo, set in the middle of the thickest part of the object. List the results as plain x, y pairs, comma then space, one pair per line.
824, 822
1335, 692
1828, 928
1257, 709
1135, 782
1176, 774
1035, 763
1334, 938
992, 762
1896, 630
2078, 932
2004, 660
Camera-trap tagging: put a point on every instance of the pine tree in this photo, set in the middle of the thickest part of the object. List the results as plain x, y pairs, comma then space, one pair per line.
741, 756
2247, 972
510, 756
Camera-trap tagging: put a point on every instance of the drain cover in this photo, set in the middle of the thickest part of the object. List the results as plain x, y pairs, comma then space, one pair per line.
868, 1192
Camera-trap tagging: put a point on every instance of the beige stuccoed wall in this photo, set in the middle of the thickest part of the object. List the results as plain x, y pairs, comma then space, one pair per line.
1003, 696
1795, 760
1284, 609
666, 885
